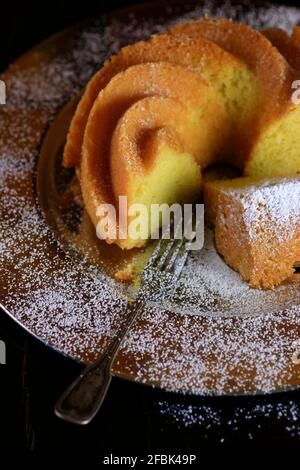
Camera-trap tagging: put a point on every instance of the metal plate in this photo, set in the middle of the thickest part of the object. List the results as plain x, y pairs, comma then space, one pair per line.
213, 334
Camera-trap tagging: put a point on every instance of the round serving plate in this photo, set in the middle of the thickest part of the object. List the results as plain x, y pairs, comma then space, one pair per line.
212, 334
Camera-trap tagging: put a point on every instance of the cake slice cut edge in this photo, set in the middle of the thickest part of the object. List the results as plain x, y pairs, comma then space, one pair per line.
257, 226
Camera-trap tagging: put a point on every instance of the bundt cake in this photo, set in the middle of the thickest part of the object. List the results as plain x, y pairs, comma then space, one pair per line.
257, 226
162, 110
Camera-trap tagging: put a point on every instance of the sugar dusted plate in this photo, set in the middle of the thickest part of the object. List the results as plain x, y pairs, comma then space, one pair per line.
214, 334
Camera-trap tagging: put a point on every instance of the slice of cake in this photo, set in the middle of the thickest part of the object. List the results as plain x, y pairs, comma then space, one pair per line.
257, 226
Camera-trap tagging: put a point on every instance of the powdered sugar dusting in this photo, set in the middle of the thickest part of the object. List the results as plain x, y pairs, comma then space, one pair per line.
265, 15
242, 421
209, 287
275, 202
78, 310
221, 354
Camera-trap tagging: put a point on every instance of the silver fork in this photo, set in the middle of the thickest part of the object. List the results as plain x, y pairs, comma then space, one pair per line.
83, 398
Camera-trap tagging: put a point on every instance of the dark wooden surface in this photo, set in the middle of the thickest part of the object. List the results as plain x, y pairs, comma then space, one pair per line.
132, 419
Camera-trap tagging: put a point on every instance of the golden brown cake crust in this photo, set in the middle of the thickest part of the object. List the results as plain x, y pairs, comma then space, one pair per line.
288, 46
156, 97
169, 91
257, 226
175, 49
200, 44
273, 74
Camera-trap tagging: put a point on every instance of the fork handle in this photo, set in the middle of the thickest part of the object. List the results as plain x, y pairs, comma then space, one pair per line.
83, 398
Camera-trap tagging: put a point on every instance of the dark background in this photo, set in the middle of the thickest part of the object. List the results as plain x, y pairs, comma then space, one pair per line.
131, 420
24, 23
